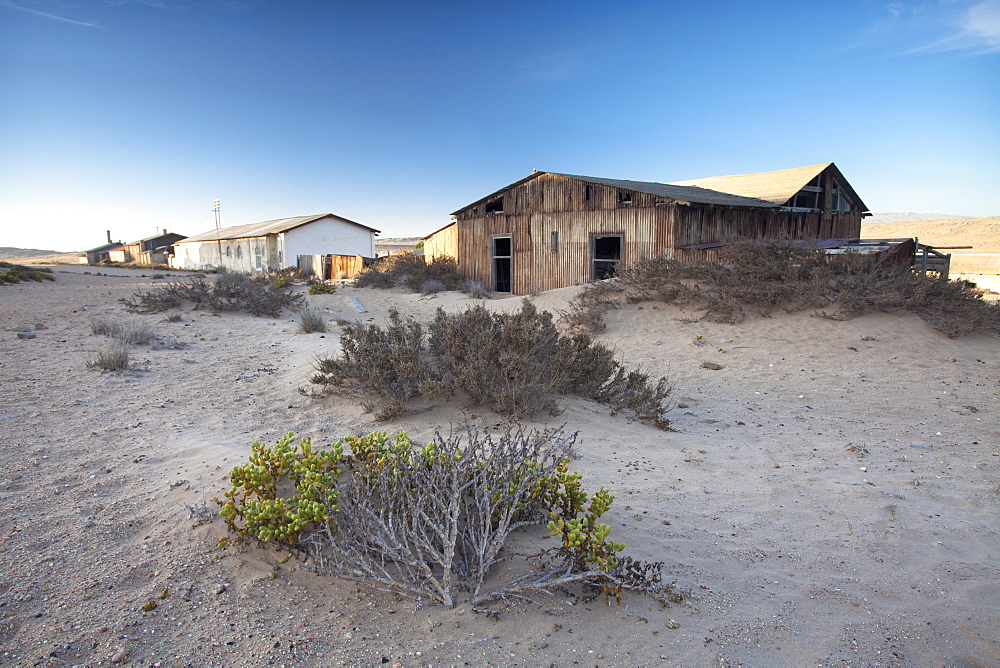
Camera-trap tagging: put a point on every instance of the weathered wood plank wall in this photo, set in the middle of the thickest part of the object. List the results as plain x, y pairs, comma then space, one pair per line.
442, 243
552, 219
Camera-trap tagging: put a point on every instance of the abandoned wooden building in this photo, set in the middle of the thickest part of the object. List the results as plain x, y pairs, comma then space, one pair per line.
274, 244
552, 230
152, 250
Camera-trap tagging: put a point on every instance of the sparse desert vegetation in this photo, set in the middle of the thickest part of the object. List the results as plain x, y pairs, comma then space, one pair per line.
433, 522
257, 295
758, 278
15, 273
813, 470
515, 363
410, 272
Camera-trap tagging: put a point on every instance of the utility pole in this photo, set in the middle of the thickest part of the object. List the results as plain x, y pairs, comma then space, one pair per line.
216, 205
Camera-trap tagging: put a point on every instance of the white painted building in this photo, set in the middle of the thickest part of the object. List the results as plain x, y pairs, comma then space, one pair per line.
274, 244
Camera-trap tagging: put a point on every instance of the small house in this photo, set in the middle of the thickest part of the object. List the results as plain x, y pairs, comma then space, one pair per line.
274, 244
102, 253
152, 250
552, 230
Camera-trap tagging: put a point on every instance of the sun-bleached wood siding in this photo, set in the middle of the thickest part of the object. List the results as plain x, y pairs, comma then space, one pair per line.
535, 208
442, 243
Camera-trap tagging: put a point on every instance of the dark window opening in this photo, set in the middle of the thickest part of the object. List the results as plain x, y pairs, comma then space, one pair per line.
496, 206
607, 256
502, 256
624, 197
807, 199
229, 251
554, 241
588, 192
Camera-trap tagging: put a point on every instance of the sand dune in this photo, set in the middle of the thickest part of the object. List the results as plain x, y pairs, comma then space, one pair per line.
829, 496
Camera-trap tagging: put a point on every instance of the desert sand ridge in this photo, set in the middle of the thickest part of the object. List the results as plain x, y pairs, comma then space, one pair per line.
830, 496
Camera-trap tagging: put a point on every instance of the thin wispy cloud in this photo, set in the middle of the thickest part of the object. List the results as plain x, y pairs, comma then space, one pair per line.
947, 25
37, 12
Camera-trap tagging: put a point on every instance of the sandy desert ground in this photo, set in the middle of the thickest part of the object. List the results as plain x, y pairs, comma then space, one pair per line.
829, 497
981, 263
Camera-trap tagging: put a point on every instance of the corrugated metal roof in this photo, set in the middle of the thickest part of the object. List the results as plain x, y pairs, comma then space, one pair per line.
106, 247
671, 191
700, 195
775, 187
267, 227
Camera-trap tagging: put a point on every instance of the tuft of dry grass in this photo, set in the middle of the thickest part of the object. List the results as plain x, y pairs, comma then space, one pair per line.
129, 332
113, 357
311, 320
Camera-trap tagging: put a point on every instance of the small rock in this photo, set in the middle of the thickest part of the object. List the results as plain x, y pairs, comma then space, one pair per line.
39, 325
26, 335
712, 365
120, 656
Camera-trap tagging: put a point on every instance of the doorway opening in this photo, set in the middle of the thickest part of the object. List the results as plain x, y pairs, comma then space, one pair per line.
502, 256
606, 254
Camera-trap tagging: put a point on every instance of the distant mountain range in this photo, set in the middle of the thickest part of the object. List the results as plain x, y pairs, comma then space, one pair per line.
909, 217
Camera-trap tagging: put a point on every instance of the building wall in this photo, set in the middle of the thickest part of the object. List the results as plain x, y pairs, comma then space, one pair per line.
238, 255
276, 251
442, 243
326, 236
576, 212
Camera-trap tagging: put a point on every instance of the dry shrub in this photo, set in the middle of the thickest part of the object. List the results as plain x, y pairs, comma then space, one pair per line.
475, 289
516, 363
587, 309
382, 362
113, 357
129, 332
257, 295
311, 320
432, 286
432, 522
760, 277
411, 272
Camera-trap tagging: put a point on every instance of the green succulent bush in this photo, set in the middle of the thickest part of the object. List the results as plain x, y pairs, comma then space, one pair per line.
15, 273
430, 521
322, 289
283, 490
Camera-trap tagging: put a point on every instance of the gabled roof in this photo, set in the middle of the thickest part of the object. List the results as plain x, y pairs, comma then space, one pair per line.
667, 190
775, 187
160, 236
267, 227
106, 247
699, 195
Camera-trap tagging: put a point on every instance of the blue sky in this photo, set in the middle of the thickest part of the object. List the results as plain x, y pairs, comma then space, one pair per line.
134, 115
